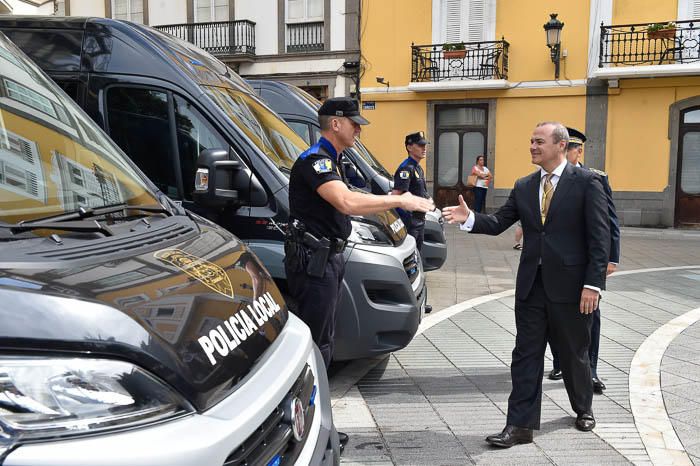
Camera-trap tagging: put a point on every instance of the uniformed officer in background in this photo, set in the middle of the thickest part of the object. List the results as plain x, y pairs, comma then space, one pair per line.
574, 153
409, 177
319, 225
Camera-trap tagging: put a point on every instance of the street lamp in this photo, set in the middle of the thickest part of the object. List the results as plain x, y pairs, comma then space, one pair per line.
553, 29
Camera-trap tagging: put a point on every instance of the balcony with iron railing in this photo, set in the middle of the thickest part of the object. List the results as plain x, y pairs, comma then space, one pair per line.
305, 37
467, 61
649, 49
227, 38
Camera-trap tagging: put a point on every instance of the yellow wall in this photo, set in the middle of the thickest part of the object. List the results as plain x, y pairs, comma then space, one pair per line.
515, 120
389, 125
520, 23
643, 11
637, 147
388, 29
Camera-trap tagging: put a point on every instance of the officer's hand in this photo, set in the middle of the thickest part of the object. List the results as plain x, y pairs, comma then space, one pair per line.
416, 203
589, 301
456, 213
612, 267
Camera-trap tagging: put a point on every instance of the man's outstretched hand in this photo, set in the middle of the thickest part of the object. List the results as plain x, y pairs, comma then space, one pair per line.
456, 213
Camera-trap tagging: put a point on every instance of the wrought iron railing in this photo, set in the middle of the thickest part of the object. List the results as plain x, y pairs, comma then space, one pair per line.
649, 43
305, 37
478, 60
218, 38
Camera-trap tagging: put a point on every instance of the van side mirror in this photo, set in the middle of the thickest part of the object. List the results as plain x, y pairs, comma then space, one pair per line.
220, 181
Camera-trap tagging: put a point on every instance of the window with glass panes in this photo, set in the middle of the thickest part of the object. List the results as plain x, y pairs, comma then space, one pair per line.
130, 10
304, 10
211, 10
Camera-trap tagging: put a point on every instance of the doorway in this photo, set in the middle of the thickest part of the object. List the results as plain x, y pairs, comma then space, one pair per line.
688, 170
461, 133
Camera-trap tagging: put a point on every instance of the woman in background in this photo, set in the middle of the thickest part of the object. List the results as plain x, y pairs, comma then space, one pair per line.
483, 177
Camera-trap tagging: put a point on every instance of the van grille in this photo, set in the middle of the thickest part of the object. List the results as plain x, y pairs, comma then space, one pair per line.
273, 441
410, 265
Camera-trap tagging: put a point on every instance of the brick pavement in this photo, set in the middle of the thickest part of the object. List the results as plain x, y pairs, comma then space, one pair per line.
434, 401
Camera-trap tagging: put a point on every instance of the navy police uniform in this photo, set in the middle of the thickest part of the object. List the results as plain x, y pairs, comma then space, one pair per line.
317, 234
410, 177
578, 138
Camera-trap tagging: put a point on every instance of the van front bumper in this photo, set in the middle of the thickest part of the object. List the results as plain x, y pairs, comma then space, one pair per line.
208, 438
380, 307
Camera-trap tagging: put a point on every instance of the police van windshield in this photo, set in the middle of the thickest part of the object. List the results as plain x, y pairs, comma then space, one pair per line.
53, 158
369, 158
267, 131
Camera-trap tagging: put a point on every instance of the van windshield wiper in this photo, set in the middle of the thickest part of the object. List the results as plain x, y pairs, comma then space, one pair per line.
79, 226
86, 212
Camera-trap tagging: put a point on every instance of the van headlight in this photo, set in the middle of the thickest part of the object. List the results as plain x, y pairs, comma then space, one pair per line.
367, 233
45, 398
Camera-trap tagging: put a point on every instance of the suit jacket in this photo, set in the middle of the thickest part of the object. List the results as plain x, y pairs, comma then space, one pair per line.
614, 222
573, 245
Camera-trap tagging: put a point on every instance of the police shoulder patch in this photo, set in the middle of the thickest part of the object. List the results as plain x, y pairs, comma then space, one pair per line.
404, 174
322, 166
598, 172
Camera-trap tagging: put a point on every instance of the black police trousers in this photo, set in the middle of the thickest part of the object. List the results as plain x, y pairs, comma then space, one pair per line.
417, 230
314, 300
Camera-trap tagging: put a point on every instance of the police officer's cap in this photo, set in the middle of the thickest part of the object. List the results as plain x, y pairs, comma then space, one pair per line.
342, 107
576, 136
416, 138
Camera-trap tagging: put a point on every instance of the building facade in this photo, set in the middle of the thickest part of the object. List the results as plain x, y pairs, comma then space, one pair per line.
309, 43
626, 77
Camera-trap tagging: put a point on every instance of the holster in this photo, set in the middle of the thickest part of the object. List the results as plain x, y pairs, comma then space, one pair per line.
309, 252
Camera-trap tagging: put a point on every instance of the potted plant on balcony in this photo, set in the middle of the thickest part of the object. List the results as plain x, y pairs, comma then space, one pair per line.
451, 51
661, 30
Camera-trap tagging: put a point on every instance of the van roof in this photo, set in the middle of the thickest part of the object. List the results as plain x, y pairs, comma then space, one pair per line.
285, 98
114, 46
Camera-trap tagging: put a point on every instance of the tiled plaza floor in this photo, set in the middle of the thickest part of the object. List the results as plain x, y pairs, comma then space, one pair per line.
435, 401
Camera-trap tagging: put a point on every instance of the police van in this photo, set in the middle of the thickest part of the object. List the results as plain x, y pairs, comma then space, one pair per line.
364, 171
134, 332
175, 110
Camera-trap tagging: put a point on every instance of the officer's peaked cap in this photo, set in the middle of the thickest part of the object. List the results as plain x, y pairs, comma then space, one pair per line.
342, 107
576, 136
416, 138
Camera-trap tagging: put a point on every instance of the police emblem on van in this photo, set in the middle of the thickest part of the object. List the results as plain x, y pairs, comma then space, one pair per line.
208, 273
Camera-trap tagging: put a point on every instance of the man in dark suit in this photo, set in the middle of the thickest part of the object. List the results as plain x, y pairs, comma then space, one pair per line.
566, 245
574, 154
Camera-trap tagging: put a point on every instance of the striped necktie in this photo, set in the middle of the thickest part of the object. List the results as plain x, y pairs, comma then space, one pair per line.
548, 192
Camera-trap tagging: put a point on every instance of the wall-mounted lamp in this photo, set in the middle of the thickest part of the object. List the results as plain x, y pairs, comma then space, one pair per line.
380, 80
553, 29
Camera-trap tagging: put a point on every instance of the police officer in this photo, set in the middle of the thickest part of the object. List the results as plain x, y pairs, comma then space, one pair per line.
574, 152
319, 225
409, 177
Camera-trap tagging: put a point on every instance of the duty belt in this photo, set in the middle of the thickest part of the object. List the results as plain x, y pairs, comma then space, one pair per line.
336, 245
418, 215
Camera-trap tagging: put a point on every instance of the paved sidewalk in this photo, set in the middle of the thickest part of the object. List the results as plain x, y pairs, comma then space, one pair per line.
436, 400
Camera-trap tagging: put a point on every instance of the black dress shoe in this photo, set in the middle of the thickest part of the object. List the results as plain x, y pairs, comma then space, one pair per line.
343, 439
555, 374
510, 436
598, 385
585, 422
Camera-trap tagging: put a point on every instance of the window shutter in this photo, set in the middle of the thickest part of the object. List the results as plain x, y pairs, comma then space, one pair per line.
477, 20
694, 9
453, 21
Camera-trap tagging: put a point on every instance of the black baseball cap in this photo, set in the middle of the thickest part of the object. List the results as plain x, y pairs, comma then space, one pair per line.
575, 136
416, 138
343, 107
